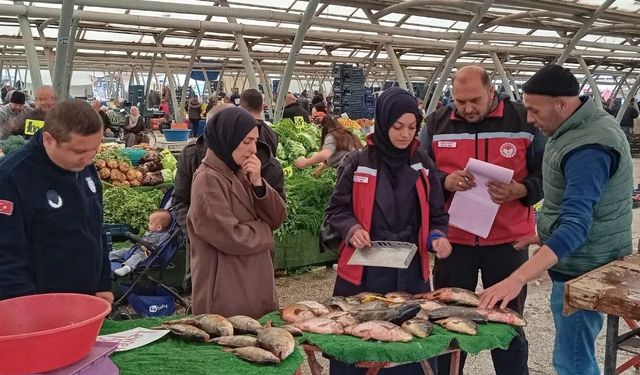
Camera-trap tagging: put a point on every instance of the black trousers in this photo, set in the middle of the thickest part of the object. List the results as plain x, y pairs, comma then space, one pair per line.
495, 263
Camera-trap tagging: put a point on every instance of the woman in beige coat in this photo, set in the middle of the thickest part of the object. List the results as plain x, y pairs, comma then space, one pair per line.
230, 222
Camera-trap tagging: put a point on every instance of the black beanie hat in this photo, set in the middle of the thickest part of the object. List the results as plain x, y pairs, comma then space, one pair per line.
17, 98
552, 80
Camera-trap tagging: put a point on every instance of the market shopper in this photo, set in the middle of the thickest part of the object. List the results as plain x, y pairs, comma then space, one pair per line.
337, 142
493, 129
192, 155
230, 222
11, 113
585, 221
51, 233
293, 111
194, 110
382, 194
33, 120
133, 127
106, 123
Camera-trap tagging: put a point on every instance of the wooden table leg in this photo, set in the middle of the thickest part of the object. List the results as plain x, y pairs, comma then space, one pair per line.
426, 367
373, 370
454, 369
315, 366
611, 346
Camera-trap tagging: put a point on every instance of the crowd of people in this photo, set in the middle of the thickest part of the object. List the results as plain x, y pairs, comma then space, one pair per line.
229, 198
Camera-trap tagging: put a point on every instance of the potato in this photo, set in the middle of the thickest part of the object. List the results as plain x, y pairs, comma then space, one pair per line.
116, 183
112, 164
115, 174
131, 175
123, 166
135, 183
125, 183
104, 173
101, 164
139, 175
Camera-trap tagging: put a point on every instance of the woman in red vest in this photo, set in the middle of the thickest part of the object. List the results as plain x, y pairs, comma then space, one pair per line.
389, 191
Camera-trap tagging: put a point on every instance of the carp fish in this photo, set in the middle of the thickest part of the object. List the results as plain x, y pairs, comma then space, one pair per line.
186, 332
457, 311
255, 355
456, 296
236, 341
244, 324
379, 330
459, 325
418, 327
277, 340
321, 325
507, 316
213, 324
296, 313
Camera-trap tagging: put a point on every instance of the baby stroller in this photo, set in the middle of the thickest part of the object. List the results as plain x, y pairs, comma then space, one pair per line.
143, 287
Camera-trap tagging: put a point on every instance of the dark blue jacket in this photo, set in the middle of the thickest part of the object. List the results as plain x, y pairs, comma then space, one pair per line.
51, 232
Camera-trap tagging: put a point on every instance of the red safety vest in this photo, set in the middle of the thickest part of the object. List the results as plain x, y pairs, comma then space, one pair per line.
363, 196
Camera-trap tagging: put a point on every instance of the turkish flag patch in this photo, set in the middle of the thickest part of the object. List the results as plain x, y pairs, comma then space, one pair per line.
6, 207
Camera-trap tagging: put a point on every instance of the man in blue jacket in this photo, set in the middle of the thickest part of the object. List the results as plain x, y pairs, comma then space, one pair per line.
51, 232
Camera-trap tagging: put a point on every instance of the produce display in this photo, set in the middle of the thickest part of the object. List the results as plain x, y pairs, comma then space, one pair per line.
353, 125
396, 316
12, 143
125, 205
115, 168
241, 335
307, 195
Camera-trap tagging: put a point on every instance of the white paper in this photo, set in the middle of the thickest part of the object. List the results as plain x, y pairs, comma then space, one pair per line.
473, 210
134, 338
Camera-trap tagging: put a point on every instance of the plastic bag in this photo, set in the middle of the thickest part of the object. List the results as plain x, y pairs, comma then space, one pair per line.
168, 160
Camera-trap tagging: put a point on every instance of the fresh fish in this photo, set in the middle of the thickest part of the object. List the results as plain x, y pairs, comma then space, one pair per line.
236, 341
372, 305
456, 296
321, 325
423, 314
507, 316
379, 330
255, 355
397, 315
358, 298
457, 311
427, 305
459, 325
277, 340
344, 318
418, 327
296, 313
244, 324
317, 308
343, 306
213, 324
335, 299
398, 297
292, 330
186, 332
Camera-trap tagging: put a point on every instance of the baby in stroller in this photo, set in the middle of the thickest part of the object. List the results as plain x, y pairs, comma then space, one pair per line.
159, 222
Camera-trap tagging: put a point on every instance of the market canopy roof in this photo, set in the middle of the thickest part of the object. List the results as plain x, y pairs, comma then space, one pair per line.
523, 34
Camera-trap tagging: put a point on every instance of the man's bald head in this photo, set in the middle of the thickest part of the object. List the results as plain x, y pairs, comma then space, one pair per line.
473, 93
290, 99
472, 73
45, 98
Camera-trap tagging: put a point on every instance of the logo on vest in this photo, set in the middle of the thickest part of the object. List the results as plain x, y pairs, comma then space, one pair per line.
360, 179
508, 150
91, 184
54, 199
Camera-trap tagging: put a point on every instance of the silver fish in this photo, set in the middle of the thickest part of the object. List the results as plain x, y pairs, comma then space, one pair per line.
236, 341
256, 355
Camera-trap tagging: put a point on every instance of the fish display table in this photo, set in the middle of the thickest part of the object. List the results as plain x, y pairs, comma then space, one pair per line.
170, 355
613, 289
376, 355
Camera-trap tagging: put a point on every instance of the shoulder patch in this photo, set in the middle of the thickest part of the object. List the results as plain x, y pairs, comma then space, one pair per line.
6, 207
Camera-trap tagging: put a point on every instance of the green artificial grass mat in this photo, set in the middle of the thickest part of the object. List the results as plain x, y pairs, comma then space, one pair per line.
350, 349
171, 355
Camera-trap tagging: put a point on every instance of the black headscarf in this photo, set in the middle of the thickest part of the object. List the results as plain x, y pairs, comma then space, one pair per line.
226, 130
391, 104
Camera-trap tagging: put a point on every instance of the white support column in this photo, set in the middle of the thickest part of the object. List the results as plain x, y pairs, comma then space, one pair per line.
62, 49
293, 54
30, 49
594, 87
177, 112
503, 75
393, 58
471, 27
243, 49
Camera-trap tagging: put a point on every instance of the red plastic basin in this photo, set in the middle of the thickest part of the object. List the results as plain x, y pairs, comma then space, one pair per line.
44, 332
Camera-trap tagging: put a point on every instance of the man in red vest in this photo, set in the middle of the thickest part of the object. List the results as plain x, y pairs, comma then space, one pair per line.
482, 125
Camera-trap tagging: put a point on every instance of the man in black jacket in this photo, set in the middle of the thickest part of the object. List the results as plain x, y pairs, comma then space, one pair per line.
293, 111
51, 230
192, 155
